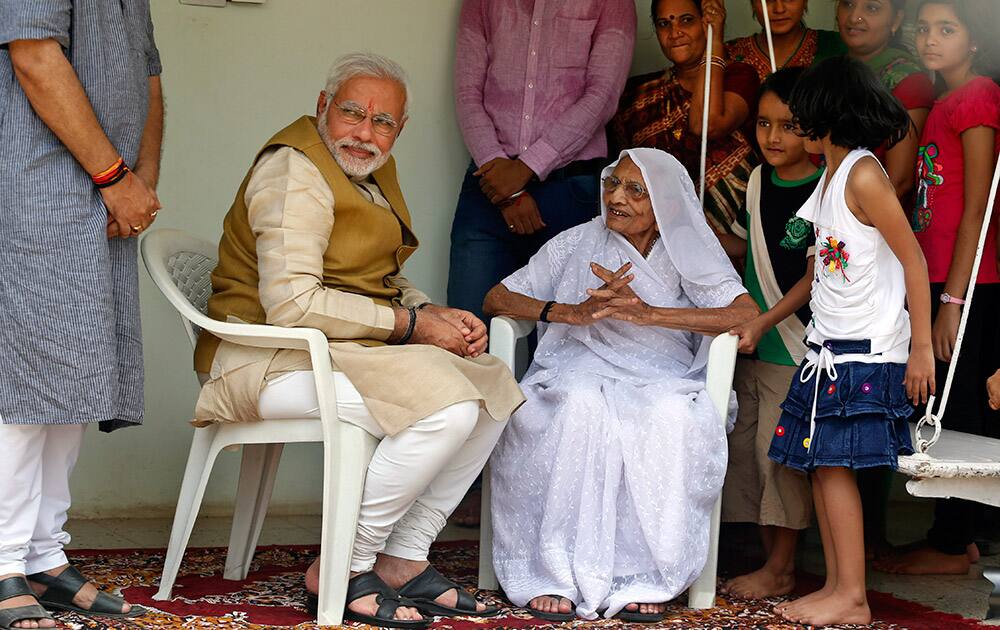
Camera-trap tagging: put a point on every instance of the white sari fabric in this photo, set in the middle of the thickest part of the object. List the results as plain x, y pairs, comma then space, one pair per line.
604, 480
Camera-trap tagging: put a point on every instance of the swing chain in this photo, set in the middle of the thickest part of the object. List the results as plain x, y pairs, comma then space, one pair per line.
923, 445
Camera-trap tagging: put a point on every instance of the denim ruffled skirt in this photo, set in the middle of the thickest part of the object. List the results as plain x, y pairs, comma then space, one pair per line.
861, 419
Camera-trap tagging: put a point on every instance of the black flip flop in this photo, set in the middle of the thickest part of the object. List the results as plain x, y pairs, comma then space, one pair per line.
387, 599
429, 585
13, 587
552, 616
634, 616
61, 589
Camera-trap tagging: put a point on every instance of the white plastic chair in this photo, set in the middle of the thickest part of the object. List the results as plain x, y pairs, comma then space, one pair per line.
508, 342
180, 265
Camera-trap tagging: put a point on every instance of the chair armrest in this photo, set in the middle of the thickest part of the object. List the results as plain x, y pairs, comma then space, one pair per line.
504, 335
719, 374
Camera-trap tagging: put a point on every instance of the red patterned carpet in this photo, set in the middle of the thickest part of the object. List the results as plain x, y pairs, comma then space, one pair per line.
273, 596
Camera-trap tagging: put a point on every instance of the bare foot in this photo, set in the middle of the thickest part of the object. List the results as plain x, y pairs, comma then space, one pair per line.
363, 605
925, 561
878, 549
312, 577
549, 604
647, 609
973, 552
396, 572
838, 608
805, 600
760, 584
468, 511
24, 600
84, 598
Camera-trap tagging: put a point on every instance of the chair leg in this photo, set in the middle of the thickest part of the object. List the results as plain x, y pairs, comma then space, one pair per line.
199, 468
345, 466
257, 473
487, 576
702, 593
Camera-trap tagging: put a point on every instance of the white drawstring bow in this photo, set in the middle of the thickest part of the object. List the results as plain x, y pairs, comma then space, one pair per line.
823, 363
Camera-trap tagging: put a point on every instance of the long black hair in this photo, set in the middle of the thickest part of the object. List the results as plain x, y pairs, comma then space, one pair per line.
980, 18
841, 96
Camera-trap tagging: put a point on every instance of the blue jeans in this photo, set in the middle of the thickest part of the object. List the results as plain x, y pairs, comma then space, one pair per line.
483, 249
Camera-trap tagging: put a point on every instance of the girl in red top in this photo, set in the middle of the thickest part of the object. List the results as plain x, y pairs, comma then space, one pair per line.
868, 28
958, 150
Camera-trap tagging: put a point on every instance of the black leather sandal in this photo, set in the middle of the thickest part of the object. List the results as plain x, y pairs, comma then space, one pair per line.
552, 616
634, 616
13, 587
61, 589
429, 585
387, 599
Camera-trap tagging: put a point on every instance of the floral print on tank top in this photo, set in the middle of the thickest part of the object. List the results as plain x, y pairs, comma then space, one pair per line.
835, 257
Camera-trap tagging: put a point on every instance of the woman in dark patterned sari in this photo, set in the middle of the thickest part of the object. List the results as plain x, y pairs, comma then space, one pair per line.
663, 110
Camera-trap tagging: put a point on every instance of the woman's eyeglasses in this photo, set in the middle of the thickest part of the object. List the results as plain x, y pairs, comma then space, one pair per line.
354, 114
635, 190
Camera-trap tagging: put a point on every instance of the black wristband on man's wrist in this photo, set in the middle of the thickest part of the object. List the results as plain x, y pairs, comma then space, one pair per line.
544, 317
409, 327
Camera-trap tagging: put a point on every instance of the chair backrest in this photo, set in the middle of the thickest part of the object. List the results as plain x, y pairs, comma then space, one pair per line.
181, 266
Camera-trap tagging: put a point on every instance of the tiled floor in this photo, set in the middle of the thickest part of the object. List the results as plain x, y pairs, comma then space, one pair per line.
965, 595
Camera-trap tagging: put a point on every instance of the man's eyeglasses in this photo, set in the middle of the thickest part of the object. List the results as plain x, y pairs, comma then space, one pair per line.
354, 114
635, 190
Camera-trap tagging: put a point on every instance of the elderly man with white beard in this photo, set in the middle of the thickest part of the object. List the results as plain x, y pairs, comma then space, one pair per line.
317, 237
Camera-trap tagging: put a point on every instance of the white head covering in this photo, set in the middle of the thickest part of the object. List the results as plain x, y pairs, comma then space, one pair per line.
689, 242
686, 268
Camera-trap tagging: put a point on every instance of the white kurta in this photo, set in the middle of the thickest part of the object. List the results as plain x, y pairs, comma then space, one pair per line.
604, 480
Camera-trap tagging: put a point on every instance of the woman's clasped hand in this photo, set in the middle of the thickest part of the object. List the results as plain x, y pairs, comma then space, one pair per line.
614, 299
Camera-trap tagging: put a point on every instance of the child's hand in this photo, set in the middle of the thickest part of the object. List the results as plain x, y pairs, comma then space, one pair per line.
919, 379
749, 334
993, 387
945, 331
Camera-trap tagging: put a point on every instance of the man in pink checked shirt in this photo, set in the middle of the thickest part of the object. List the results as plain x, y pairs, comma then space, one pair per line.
535, 83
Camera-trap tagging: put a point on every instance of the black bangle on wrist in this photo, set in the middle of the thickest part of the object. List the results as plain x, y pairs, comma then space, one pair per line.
544, 316
420, 306
409, 327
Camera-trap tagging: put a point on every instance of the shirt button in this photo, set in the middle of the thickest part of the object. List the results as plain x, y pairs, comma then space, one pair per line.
527, 116
535, 22
524, 148
531, 85
532, 53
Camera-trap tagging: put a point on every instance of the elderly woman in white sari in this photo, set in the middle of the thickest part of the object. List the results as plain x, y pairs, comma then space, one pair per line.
604, 480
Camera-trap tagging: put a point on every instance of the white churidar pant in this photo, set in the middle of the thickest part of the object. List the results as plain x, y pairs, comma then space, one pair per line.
416, 478
36, 462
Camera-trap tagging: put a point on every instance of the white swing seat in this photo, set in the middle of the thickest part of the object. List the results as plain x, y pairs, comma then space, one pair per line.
963, 466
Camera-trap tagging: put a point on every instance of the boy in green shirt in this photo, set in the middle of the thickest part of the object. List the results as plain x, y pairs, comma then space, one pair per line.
778, 247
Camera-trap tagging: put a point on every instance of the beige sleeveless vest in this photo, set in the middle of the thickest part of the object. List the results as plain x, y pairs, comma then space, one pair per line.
367, 245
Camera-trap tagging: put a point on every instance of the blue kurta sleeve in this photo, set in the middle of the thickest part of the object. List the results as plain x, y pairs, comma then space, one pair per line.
153, 65
35, 19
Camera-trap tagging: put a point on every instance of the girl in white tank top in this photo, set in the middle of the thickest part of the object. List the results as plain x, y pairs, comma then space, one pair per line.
847, 407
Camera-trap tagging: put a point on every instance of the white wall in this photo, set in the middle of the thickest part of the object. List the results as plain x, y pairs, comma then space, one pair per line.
232, 77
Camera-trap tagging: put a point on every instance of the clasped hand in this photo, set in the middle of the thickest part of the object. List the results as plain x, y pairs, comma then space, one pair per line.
615, 299
457, 331
132, 206
502, 177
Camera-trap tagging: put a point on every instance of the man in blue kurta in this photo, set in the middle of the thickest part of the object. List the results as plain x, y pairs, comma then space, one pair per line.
80, 131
